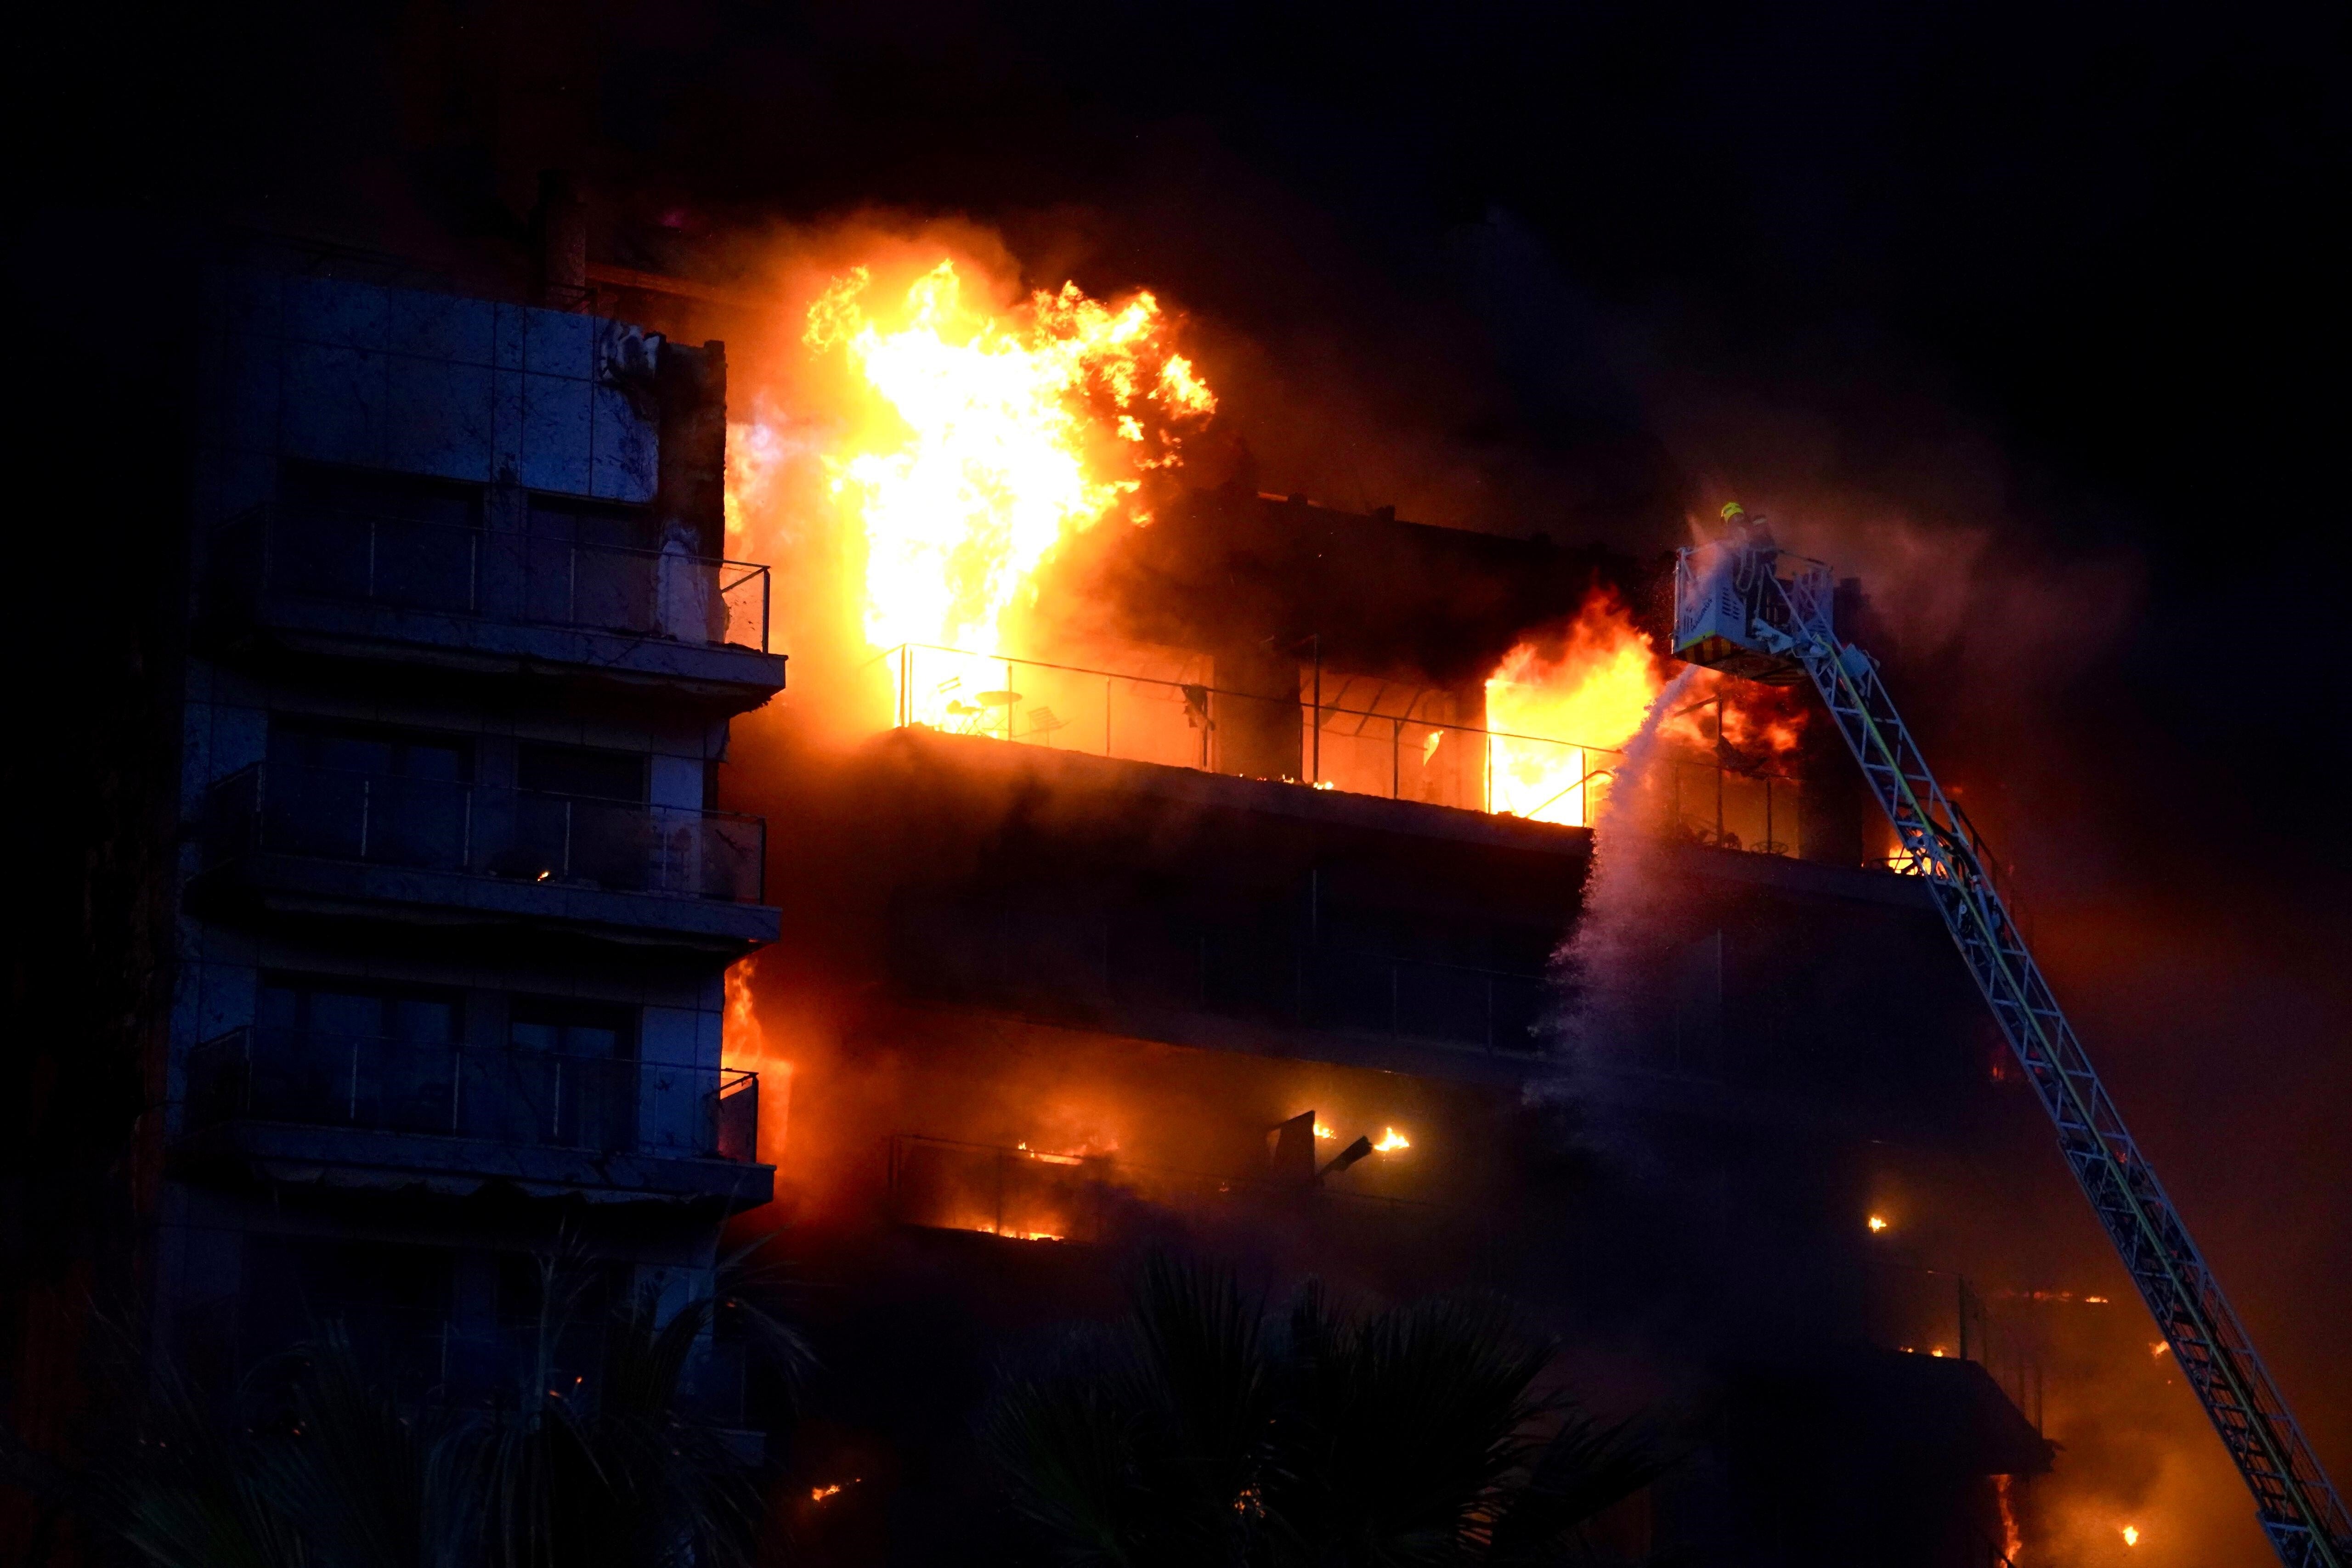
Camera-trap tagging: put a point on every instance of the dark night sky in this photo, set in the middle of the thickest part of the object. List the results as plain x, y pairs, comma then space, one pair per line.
2067, 280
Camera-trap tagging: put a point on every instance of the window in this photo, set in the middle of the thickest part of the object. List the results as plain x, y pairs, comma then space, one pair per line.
591, 565
386, 539
346, 1010
592, 1030
586, 772
569, 1078
343, 1053
390, 797
390, 753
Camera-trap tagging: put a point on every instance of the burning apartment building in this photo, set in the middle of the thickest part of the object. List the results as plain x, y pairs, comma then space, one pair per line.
1140, 862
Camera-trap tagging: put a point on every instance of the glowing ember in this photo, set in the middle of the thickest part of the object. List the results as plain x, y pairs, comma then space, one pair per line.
818, 1494
1323, 1131
2131, 1535
986, 441
1389, 1142
1878, 1223
2158, 1348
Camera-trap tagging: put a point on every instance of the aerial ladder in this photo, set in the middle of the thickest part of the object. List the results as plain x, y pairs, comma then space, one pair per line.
1746, 608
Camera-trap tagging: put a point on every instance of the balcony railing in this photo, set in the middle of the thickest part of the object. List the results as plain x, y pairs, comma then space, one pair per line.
1023, 1194
526, 579
603, 1104
1399, 755
476, 830
1934, 1312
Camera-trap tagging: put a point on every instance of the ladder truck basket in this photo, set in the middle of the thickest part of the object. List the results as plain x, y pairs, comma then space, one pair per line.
1738, 605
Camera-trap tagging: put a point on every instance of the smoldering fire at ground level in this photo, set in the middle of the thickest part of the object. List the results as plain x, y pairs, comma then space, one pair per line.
1059, 1007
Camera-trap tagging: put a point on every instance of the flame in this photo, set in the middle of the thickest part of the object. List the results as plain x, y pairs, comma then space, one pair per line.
1323, 1131
2131, 1535
1560, 708
1391, 1142
1877, 1222
743, 1044
1546, 707
2012, 1540
987, 440
2158, 1348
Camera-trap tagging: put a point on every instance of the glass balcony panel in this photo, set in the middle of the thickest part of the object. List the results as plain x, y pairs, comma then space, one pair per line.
404, 563
515, 1096
449, 825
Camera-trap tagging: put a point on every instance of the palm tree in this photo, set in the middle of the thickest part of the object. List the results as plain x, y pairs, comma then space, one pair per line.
1200, 1432
323, 1465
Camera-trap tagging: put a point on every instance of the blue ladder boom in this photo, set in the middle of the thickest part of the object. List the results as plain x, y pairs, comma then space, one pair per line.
1745, 606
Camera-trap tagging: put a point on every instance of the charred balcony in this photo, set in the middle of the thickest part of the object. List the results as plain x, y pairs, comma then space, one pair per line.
292, 841
1355, 734
285, 1105
443, 591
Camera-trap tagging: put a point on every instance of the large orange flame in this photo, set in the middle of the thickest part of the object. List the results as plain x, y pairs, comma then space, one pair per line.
986, 440
1557, 712
1561, 707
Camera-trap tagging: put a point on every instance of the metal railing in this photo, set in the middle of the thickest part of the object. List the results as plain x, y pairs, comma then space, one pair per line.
476, 830
517, 577
605, 1104
1025, 1195
1494, 1010
1401, 755
1932, 1312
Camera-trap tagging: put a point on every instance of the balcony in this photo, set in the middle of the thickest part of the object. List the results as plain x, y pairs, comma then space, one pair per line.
357, 585
376, 1113
1025, 1195
1389, 746
306, 841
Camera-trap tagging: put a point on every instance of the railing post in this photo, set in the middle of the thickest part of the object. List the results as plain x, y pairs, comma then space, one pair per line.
564, 864
367, 788
351, 1088
1106, 698
371, 559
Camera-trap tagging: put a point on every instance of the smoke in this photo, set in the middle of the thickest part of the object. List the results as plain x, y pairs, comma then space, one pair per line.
1608, 967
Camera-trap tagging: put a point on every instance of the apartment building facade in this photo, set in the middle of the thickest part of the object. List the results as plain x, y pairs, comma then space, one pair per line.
453, 901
